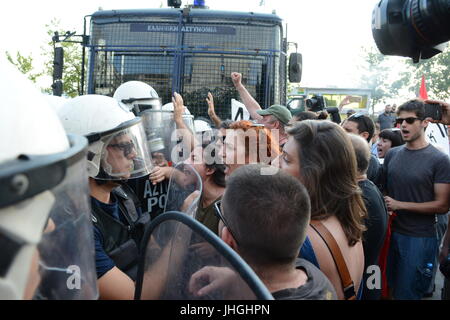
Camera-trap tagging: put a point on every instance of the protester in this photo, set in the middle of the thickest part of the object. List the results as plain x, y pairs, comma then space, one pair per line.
375, 222
374, 140
264, 219
246, 142
211, 111
275, 117
417, 180
387, 118
389, 138
362, 125
320, 155
203, 159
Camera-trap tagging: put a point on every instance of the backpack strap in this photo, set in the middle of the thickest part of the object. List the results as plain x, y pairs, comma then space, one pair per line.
346, 280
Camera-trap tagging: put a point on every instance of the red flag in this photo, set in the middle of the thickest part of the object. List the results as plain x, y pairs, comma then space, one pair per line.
423, 90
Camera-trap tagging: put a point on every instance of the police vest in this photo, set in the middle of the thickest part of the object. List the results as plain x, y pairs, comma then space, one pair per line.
122, 241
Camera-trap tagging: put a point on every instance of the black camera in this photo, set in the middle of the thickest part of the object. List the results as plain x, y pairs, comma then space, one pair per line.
411, 28
316, 103
433, 110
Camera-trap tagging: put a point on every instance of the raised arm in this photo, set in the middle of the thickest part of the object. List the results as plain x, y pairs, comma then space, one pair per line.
178, 108
250, 103
211, 112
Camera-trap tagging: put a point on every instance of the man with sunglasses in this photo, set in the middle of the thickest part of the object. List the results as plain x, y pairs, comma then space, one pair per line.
417, 184
264, 219
362, 125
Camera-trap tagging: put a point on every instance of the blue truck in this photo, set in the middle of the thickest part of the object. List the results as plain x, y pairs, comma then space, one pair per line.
192, 51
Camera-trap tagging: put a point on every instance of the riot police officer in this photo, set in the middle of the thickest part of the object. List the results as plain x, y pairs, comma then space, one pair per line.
45, 229
117, 152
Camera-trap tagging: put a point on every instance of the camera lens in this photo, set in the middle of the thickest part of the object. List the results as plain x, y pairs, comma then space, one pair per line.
411, 28
430, 20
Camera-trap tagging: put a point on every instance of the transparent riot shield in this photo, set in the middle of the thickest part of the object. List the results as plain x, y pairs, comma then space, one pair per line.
184, 191
162, 137
159, 127
183, 260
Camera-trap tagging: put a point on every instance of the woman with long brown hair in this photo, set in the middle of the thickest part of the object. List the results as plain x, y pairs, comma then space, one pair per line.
321, 156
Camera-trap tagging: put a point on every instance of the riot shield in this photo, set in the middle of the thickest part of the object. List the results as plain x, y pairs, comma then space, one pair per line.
162, 136
184, 260
159, 127
184, 191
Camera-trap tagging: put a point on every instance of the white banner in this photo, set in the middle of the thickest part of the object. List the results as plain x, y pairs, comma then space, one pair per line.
239, 111
437, 135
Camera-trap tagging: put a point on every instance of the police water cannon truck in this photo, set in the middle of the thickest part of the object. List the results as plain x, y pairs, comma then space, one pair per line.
192, 51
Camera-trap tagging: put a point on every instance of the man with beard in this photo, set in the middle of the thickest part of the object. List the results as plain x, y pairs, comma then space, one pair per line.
417, 182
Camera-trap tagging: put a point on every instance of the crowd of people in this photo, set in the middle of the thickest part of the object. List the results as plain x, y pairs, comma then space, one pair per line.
310, 205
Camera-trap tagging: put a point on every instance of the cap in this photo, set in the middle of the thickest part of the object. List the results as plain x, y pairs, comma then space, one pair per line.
278, 111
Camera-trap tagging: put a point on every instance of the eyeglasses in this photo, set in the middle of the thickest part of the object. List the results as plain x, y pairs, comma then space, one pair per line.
219, 215
127, 147
409, 120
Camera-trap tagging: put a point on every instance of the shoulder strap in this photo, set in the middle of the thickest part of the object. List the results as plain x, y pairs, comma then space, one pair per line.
346, 280
126, 205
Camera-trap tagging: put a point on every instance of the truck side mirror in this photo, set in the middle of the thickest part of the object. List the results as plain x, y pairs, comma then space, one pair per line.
295, 67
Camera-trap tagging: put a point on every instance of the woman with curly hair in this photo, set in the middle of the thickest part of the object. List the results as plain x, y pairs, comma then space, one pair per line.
245, 143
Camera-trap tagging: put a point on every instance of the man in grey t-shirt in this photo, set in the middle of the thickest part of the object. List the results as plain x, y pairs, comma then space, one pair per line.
417, 181
387, 118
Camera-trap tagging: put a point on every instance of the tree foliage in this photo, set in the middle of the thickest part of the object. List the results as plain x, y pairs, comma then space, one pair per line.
375, 72
388, 76
437, 75
25, 65
72, 61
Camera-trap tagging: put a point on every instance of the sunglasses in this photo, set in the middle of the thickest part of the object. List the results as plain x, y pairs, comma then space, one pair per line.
409, 120
219, 215
127, 147
356, 115
364, 121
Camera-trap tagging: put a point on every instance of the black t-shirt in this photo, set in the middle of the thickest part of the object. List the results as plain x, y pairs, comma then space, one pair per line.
410, 176
317, 287
376, 221
373, 171
373, 237
152, 197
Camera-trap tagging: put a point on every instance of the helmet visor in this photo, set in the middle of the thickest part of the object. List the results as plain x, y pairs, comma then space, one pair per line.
124, 154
